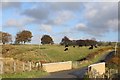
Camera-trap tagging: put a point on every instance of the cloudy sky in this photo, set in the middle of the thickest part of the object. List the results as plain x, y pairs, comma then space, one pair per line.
77, 20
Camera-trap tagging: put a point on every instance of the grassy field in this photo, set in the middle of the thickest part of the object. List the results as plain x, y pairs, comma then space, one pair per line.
38, 74
48, 53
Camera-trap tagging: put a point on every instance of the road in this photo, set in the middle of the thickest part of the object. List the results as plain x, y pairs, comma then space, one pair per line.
75, 73
109, 56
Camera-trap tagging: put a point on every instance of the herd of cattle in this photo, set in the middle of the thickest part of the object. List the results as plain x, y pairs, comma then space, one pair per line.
91, 47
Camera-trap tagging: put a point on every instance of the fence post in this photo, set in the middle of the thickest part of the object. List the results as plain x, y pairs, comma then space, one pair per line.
39, 65
1, 67
29, 66
23, 66
14, 66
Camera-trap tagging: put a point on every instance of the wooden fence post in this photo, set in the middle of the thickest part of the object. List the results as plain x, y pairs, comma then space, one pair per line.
1, 67
23, 66
29, 66
39, 65
14, 66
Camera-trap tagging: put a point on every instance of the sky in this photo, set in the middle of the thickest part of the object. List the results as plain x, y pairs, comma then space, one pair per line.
75, 19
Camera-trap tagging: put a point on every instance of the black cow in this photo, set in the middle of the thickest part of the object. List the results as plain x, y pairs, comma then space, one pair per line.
74, 46
95, 46
65, 49
66, 46
82, 59
80, 45
91, 47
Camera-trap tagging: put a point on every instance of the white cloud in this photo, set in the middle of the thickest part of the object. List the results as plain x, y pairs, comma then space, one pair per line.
101, 18
37, 13
45, 27
53, 13
13, 23
7, 4
18, 23
63, 17
112, 24
91, 14
27, 20
80, 26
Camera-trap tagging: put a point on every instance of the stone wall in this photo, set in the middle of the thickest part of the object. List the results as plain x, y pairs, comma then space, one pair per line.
58, 66
98, 68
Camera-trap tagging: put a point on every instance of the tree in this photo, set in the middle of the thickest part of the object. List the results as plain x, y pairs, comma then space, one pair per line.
23, 37
65, 41
86, 42
80, 42
5, 37
46, 39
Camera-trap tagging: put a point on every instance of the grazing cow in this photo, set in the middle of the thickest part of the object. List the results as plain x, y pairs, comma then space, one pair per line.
85, 45
66, 46
95, 46
65, 49
80, 45
91, 47
102, 60
83, 59
74, 46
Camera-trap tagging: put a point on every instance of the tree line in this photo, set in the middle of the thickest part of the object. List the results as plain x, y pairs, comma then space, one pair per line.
80, 42
25, 36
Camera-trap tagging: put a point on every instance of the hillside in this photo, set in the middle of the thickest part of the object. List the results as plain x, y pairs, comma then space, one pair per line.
48, 53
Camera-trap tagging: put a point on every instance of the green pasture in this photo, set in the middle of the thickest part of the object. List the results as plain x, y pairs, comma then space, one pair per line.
48, 53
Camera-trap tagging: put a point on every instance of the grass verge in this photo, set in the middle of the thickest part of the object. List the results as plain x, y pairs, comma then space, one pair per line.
32, 74
94, 60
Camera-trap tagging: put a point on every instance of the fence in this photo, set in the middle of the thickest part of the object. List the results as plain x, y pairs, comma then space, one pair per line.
13, 66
